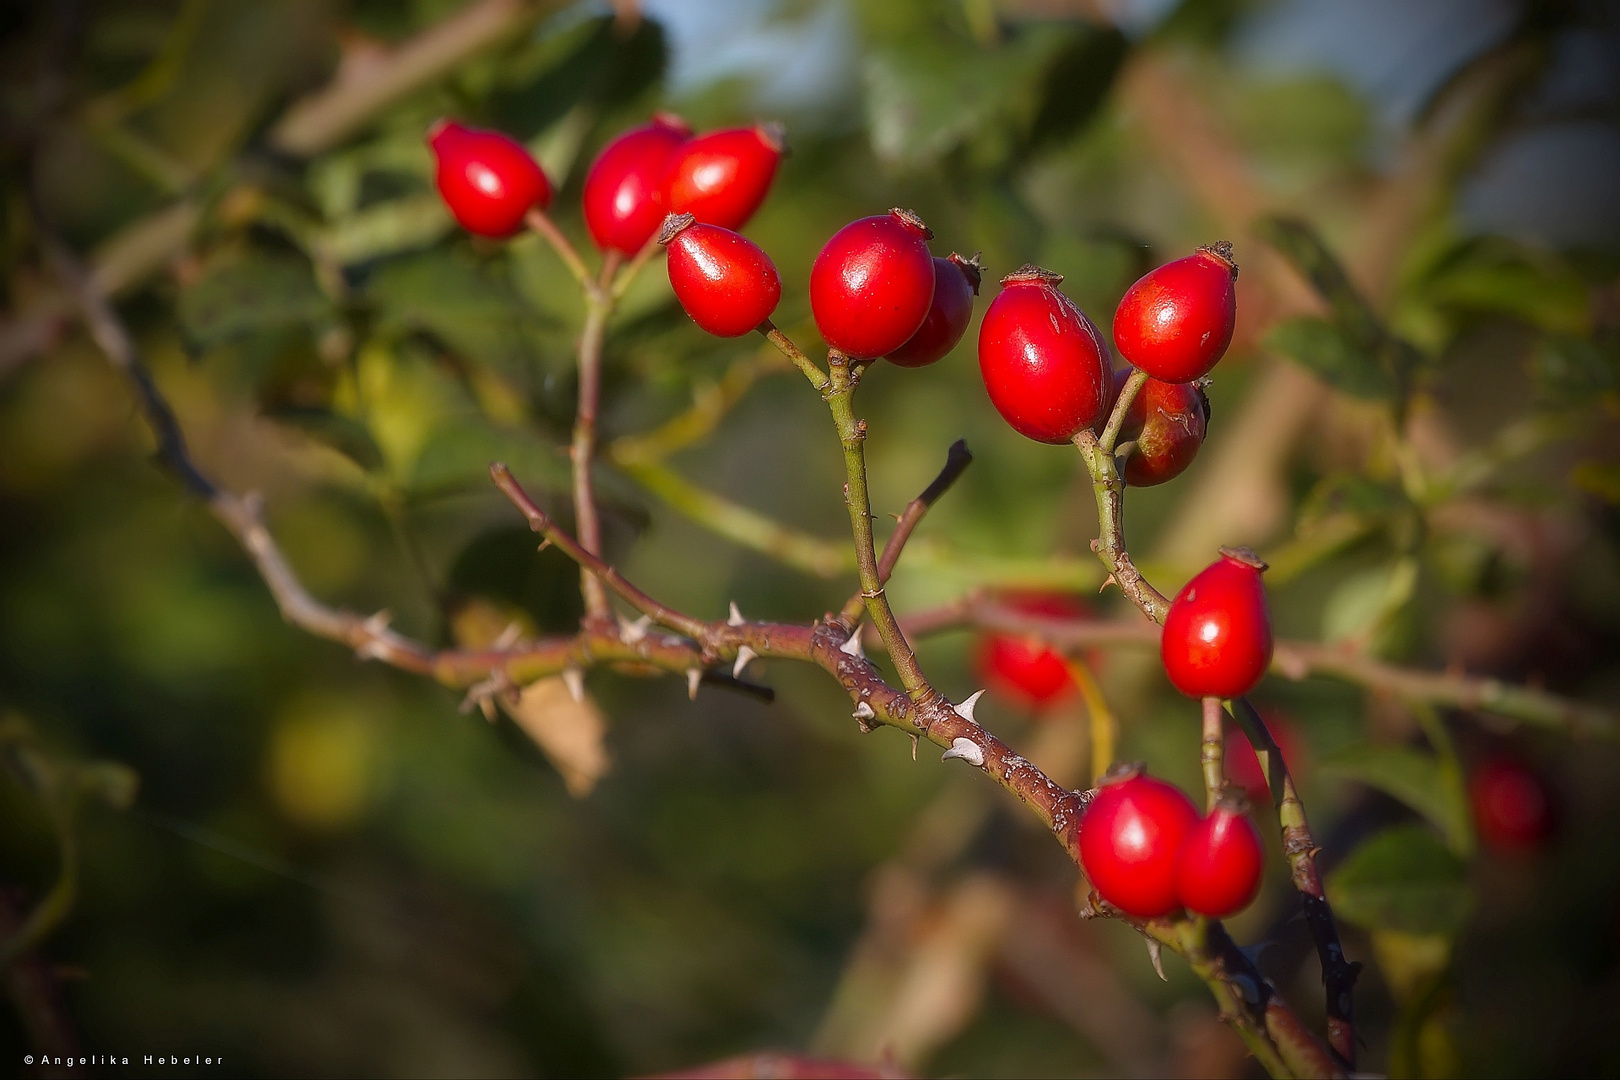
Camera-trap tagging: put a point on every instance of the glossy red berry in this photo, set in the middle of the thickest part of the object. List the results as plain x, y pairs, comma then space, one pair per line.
624, 189
1176, 322
872, 284
1243, 764
956, 283
722, 177
1044, 364
1167, 423
723, 280
1221, 861
1512, 807
1217, 635
1028, 671
1130, 835
488, 180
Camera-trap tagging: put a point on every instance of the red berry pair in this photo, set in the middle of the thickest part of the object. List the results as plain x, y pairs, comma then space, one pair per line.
1147, 852
875, 290
720, 179
1049, 372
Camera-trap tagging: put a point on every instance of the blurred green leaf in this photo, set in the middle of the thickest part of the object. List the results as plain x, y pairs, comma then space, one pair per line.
1402, 879
344, 434
1364, 602
249, 296
1598, 479
1327, 351
1574, 372
457, 457
472, 313
1415, 778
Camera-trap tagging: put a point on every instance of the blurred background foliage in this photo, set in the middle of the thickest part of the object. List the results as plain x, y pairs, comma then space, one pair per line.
328, 869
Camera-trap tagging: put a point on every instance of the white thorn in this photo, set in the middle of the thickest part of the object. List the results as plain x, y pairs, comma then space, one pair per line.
574, 679
744, 654
735, 618
914, 748
693, 677
508, 638
487, 707
966, 749
863, 711
853, 645
370, 650
965, 710
1156, 954
378, 623
632, 632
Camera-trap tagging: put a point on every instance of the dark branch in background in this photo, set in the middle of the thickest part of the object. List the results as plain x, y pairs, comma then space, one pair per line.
957, 459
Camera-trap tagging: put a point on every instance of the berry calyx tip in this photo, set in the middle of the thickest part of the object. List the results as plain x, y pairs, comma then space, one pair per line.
1223, 250
910, 220
1246, 556
1030, 273
971, 267
673, 226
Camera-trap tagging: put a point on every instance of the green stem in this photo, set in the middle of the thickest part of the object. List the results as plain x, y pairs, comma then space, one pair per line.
1211, 751
852, 435
817, 377
587, 524
1110, 543
1127, 394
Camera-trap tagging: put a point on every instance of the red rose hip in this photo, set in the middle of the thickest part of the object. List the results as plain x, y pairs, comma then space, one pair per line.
1512, 809
872, 284
1044, 364
1167, 422
1176, 322
721, 177
1221, 862
956, 283
623, 198
723, 280
1130, 835
1030, 672
1217, 635
487, 179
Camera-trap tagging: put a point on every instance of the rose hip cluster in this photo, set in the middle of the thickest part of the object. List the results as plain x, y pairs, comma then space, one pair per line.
1148, 853
490, 182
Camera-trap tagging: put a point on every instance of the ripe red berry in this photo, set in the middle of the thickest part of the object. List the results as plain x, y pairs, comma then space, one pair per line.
624, 197
721, 178
723, 280
872, 284
1512, 807
1027, 671
1243, 764
1176, 322
1167, 422
1130, 835
1044, 363
956, 283
1217, 635
488, 180
1220, 865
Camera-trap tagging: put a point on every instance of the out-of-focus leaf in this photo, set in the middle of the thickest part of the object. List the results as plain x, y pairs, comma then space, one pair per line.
570, 733
1326, 350
1363, 603
476, 316
404, 224
344, 434
457, 458
599, 64
1301, 246
250, 296
1571, 371
1410, 962
1415, 778
1598, 479
111, 782
500, 570
1556, 303
1402, 879
1077, 82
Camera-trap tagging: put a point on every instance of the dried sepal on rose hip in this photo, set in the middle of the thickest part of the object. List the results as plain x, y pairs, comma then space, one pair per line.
1222, 861
1217, 634
956, 283
1176, 321
1163, 429
872, 284
488, 180
1045, 365
723, 280
623, 199
1130, 836
722, 177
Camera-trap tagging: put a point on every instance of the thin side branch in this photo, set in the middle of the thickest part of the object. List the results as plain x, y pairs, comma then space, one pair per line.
817, 377
957, 459
1109, 489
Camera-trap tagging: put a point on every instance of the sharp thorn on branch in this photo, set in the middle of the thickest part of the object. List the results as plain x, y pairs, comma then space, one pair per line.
966, 749
965, 709
508, 638
744, 655
1156, 954
574, 679
632, 633
693, 677
863, 711
735, 618
853, 645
